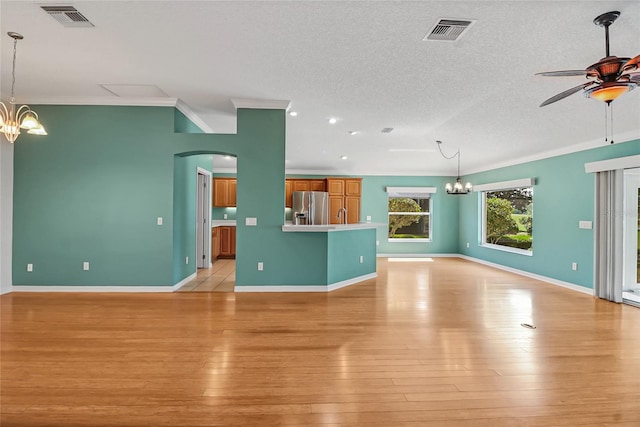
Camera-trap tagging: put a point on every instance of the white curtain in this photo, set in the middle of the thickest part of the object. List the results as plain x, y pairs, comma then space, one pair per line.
609, 234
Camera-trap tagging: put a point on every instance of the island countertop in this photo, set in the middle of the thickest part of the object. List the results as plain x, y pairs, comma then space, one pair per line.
327, 228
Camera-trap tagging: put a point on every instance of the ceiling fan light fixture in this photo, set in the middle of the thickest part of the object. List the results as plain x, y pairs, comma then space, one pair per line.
607, 92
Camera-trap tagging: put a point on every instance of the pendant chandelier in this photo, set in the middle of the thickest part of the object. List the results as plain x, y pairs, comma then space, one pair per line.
13, 119
457, 188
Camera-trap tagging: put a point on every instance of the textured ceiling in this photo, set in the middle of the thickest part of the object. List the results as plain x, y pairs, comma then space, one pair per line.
364, 63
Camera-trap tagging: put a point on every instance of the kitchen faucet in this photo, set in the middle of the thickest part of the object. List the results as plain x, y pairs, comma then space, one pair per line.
344, 212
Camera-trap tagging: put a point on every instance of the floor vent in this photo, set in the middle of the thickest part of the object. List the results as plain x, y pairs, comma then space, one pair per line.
386, 130
448, 29
68, 16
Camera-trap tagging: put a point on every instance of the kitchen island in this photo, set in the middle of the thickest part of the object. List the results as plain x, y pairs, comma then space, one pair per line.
324, 258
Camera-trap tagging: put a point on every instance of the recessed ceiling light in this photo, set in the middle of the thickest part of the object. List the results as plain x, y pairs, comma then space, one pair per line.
343, 157
333, 120
353, 132
293, 113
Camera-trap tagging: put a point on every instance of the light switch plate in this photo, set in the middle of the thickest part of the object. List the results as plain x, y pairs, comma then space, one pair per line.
251, 221
159, 220
29, 267
588, 225
85, 266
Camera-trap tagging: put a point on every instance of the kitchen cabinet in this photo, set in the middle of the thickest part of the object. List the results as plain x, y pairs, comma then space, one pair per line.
344, 193
301, 184
224, 192
227, 242
215, 243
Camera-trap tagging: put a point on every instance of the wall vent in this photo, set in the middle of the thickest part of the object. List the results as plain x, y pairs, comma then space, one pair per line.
448, 29
386, 130
68, 16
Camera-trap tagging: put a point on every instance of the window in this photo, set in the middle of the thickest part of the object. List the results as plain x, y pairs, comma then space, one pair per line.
409, 213
507, 216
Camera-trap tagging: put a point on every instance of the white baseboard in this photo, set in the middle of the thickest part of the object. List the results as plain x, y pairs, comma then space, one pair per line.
417, 255
173, 288
556, 282
314, 288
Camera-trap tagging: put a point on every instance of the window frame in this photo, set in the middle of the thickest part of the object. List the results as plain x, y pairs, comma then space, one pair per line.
500, 186
411, 193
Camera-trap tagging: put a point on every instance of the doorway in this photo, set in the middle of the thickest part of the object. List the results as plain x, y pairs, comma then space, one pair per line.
203, 219
631, 240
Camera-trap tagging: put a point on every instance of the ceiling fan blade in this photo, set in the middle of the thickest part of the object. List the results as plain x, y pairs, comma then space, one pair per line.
563, 73
631, 64
566, 93
634, 77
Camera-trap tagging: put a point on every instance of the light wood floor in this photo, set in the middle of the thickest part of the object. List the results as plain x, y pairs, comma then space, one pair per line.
425, 344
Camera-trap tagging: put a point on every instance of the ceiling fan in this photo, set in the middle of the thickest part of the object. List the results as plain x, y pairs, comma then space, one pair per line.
611, 76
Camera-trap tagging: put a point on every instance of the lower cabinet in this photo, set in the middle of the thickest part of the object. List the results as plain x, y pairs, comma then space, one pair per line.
227, 237
215, 243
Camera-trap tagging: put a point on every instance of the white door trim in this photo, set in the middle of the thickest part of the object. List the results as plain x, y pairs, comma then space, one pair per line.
206, 199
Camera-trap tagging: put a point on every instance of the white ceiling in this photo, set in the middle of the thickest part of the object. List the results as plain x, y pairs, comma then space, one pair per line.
362, 62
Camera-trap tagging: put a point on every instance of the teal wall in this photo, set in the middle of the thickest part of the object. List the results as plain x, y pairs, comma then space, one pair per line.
181, 124
344, 251
91, 191
562, 196
444, 227
184, 211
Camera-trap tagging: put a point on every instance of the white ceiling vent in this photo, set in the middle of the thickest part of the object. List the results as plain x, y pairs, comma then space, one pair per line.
68, 16
386, 130
447, 29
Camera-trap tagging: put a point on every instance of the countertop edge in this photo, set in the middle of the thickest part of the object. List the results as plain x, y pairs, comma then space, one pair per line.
287, 228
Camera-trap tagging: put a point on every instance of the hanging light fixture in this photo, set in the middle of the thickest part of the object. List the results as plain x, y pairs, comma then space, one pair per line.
457, 187
12, 119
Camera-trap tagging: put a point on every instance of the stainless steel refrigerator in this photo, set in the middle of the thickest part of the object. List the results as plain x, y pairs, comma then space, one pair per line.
310, 208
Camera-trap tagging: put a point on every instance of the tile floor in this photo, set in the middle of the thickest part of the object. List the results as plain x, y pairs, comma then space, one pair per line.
221, 277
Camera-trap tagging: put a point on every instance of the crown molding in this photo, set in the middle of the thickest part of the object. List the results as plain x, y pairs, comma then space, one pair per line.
594, 143
101, 100
195, 119
261, 104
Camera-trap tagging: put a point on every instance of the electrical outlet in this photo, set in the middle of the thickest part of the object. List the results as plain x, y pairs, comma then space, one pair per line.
467, 244
29, 268
225, 216
361, 259
574, 266
369, 218
260, 266
186, 260
377, 242
85, 266
159, 220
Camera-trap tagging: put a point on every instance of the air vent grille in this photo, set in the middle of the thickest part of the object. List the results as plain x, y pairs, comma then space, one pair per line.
448, 29
68, 16
386, 130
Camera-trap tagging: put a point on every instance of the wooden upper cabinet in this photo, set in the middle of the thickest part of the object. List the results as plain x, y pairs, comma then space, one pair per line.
353, 187
316, 185
288, 193
231, 194
300, 184
335, 186
224, 192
